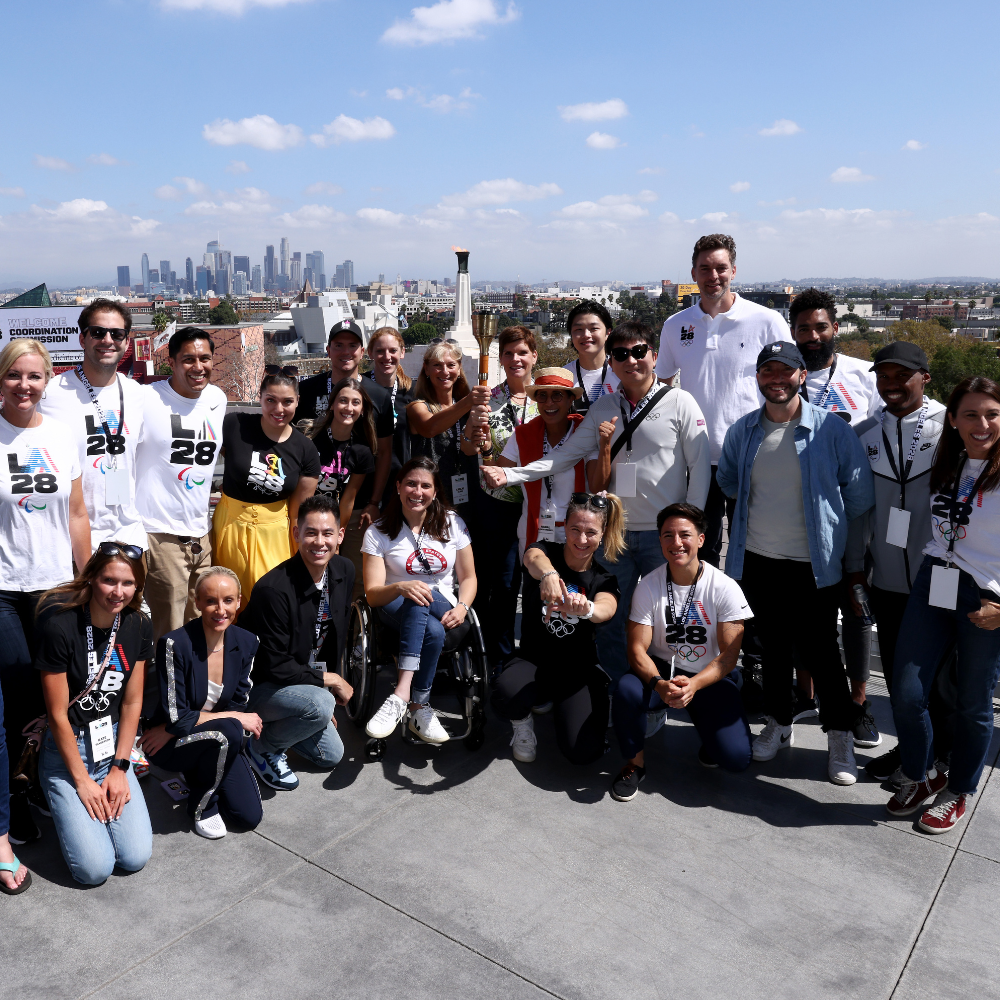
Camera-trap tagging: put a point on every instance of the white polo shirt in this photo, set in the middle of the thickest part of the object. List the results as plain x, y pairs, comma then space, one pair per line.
850, 390
717, 359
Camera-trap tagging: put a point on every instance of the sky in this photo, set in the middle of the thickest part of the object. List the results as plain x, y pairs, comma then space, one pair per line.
555, 140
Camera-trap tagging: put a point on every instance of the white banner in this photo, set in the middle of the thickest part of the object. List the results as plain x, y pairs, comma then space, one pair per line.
54, 326
162, 338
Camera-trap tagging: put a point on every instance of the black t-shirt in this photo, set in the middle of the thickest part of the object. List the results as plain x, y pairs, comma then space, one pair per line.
446, 450
314, 400
62, 649
339, 460
562, 642
259, 470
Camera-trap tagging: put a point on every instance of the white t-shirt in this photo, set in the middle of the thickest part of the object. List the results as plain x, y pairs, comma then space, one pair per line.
694, 643
977, 547
176, 459
37, 469
591, 381
402, 564
717, 359
852, 388
68, 401
563, 484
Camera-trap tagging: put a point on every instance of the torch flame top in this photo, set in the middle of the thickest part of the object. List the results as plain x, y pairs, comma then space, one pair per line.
460, 250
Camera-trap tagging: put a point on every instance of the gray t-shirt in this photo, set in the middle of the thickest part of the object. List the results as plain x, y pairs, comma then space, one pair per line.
776, 523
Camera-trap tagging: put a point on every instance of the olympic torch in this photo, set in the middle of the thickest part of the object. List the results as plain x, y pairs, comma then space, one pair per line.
484, 329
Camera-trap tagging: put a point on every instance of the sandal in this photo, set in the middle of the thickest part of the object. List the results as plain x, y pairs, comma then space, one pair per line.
13, 868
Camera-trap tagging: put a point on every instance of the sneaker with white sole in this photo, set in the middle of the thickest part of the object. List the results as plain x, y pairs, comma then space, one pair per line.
866, 732
913, 795
212, 828
946, 813
425, 724
773, 738
383, 723
803, 708
841, 765
524, 740
273, 770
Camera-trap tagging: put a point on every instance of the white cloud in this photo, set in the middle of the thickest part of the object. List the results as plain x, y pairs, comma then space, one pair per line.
233, 7
191, 186
381, 216
612, 207
834, 215
442, 103
500, 192
167, 192
783, 126
53, 163
324, 187
849, 175
739, 186
261, 131
311, 217
237, 167
779, 203
395, 93
591, 112
669, 217
913, 145
188, 185
601, 140
715, 216
344, 129
17, 192
448, 21
243, 202
103, 160
78, 208
650, 170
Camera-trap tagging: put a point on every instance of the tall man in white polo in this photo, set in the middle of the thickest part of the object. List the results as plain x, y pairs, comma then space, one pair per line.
715, 344
104, 409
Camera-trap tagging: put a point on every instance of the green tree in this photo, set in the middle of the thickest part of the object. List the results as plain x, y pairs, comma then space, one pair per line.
419, 333
223, 314
161, 320
201, 311
945, 321
959, 360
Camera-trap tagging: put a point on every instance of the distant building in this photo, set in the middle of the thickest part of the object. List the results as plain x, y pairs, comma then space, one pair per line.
295, 270
240, 283
224, 281
285, 255
202, 280
152, 278
124, 279
917, 309
338, 279
145, 272
242, 264
316, 261
348, 273
165, 271
37, 296
189, 276
256, 282
269, 266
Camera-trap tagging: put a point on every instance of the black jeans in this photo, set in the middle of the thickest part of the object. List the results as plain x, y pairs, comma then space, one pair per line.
791, 612
21, 683
717, 505
579, 697
498, 574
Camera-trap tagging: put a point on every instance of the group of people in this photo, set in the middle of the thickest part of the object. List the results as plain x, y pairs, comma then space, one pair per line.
597, 493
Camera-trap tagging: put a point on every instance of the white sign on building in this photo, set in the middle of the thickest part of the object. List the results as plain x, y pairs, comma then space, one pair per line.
54, 326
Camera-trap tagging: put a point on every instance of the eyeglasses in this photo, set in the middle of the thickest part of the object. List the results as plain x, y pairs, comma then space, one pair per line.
100, 332
132, 552
544, 396
637, 351
589, 500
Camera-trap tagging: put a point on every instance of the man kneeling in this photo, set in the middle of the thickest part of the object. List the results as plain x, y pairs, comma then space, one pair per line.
299, 612
690, 614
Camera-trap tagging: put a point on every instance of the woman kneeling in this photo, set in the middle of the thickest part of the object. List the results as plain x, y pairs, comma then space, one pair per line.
409, 555
566, 595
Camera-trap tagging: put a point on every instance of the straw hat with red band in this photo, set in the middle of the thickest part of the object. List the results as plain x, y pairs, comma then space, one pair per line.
553, 378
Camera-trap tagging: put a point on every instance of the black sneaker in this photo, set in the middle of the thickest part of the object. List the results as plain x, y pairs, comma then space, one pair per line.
884, 767
803, 708
866, 733
704, 759
37, 798
22, 824
626, 785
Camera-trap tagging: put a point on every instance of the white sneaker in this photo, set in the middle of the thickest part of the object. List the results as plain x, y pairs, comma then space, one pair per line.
213, 828
842, 767
772, 739
524, 740
424, 723
383, 723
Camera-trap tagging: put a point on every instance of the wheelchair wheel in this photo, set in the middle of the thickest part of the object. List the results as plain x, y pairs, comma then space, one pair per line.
357, 667
374, 750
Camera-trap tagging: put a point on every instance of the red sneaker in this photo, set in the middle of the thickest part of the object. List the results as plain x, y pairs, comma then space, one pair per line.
912, 795
945, 814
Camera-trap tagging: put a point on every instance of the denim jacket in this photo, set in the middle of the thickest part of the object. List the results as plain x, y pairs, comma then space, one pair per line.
837, 485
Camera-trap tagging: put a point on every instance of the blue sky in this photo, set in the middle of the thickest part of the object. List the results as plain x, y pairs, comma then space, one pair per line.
555, 140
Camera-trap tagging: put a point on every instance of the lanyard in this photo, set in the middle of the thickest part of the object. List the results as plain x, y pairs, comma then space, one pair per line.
902, 479
966, 503
635, 412
114, 443
821, 402
513, 411
418, 550
323, 614
395, 389
688, 604
579, 379
90, 638
545, 450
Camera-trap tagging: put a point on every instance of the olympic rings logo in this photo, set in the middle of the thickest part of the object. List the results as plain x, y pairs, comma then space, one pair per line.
948, 531
98, 704
689, 653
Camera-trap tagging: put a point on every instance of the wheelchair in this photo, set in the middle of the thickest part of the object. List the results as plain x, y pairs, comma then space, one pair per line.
463, 667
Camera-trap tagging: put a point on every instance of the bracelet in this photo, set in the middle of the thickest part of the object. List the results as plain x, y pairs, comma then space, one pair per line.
590, 611
551, 572
466, 606
650, 685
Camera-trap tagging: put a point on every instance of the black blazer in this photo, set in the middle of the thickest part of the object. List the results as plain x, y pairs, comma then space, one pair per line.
282, 613
183, 689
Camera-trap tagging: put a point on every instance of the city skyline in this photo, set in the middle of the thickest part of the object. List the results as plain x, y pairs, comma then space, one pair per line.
473, 122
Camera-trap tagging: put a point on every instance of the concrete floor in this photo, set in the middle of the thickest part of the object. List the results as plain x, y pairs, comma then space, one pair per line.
441, 873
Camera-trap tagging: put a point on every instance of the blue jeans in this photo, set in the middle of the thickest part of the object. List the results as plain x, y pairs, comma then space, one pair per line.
297, 716
421, 639
641, 556
91, 848
924, 636
20, 682
4, 777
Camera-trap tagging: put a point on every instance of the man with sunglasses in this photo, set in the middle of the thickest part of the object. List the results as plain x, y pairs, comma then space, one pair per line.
104, 409
653, 451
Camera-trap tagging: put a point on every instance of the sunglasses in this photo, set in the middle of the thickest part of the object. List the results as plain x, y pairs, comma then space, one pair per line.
278, 370
589, 500
637, 351
543, 396
100, 332
132, 552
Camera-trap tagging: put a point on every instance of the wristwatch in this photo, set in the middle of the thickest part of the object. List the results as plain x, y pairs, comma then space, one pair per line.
466, 606
653, 681
123, 762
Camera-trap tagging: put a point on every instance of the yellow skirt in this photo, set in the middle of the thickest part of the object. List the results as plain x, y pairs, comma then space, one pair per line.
250, 539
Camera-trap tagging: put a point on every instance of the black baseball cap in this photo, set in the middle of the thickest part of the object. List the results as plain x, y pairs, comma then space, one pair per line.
347, 326
901, 352
784, 351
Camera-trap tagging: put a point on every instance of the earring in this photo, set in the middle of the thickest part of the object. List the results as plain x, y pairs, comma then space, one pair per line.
44, 393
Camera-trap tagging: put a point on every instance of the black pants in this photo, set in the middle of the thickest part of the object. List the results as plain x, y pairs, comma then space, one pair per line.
856, 637
791, 612
217, 773
717, 505
579, 697
498, 574
21, 682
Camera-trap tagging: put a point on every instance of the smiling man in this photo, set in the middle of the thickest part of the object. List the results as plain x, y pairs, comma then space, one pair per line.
175, 461
799, 475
